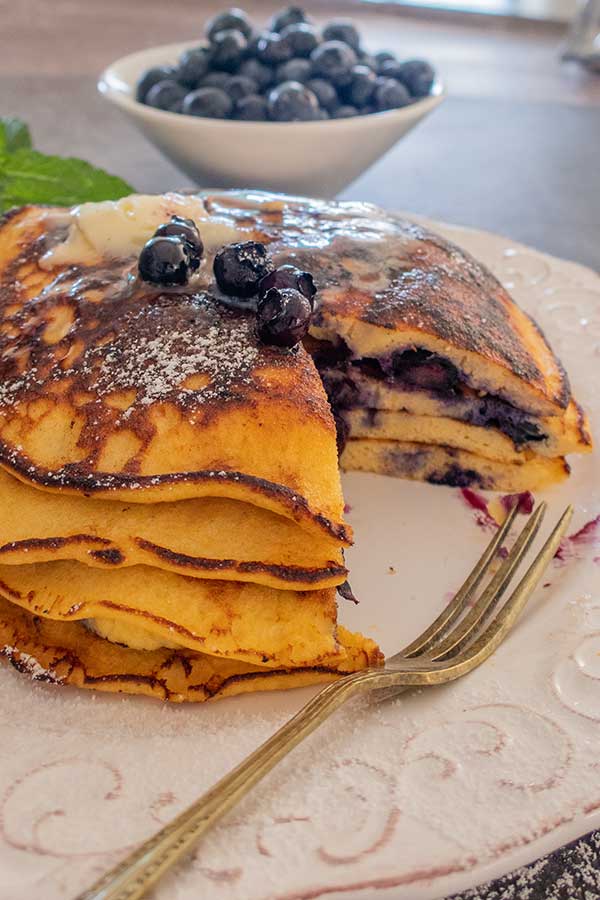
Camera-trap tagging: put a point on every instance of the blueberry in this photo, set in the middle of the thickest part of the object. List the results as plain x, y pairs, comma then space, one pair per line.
165, 95
390, 94
216, 80
325, 93
239, 86
289, 277
382, 57
362, 87
294, 70
211, 102
165, 261
282, 317
232, 18
291, 101
302, 38
238, 268
418, 76
293, 15
152, 77
252, 109
321, 115
391, 68
342, 30
273, 49
257, 71
344, 112
185, 230
193, 65
227, 49
334, 60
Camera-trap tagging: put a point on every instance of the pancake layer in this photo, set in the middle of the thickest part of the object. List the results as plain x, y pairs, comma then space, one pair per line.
67, 653
449, 466
250, 622
206, 538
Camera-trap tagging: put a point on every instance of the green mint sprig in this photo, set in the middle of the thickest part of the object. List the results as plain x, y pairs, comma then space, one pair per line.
27, 176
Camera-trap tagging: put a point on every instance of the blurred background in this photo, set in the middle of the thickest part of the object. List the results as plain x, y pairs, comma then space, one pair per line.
514, 147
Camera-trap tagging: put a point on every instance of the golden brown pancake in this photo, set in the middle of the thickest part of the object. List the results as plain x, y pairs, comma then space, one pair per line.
112, 388
67, 653
205, 538
225, 618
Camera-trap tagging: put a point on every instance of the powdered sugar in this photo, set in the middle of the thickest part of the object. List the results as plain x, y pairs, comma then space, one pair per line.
29, 665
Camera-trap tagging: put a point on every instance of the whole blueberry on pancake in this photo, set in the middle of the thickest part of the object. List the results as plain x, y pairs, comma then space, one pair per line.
282, 317
239, 268
165, 261
188, 232
289, 277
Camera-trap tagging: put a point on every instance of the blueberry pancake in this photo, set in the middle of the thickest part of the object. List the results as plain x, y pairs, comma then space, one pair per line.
418, 344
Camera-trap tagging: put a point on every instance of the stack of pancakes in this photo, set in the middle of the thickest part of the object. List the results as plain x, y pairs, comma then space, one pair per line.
171, 512
171, 517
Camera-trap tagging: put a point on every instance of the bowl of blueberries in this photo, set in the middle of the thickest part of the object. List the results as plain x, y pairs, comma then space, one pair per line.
291, 107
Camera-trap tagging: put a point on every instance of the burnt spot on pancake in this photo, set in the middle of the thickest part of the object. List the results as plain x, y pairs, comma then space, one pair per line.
112, 557
202, 563
52, 543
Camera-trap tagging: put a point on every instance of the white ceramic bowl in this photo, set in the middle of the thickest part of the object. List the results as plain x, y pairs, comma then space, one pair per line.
314, 158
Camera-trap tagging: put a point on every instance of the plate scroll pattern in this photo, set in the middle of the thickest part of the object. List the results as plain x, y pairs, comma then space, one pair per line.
413, 798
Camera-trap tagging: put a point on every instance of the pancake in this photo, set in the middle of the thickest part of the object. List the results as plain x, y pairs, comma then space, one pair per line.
204, 538
247, 621
449, 466
67, 653
384, 424
113, 388
387, 285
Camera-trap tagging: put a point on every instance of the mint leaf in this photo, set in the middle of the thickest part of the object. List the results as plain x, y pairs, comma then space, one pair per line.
14, 135
27, 176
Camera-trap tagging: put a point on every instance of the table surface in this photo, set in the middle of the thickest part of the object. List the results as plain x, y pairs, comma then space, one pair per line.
514, 150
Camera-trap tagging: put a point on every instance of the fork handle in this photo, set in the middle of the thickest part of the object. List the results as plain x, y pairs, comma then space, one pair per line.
141, 869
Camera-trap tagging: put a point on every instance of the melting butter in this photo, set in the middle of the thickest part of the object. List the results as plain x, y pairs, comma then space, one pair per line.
117, 229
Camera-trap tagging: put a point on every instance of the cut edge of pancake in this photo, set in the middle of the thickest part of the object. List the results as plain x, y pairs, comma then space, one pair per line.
481, 440
66, 653
449, 466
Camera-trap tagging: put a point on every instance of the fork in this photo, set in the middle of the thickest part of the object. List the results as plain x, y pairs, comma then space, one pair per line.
463, 636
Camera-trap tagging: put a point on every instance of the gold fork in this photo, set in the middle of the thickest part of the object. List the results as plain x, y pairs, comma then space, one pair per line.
460, 639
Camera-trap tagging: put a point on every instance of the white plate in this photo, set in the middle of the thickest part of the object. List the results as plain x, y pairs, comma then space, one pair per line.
413, 799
